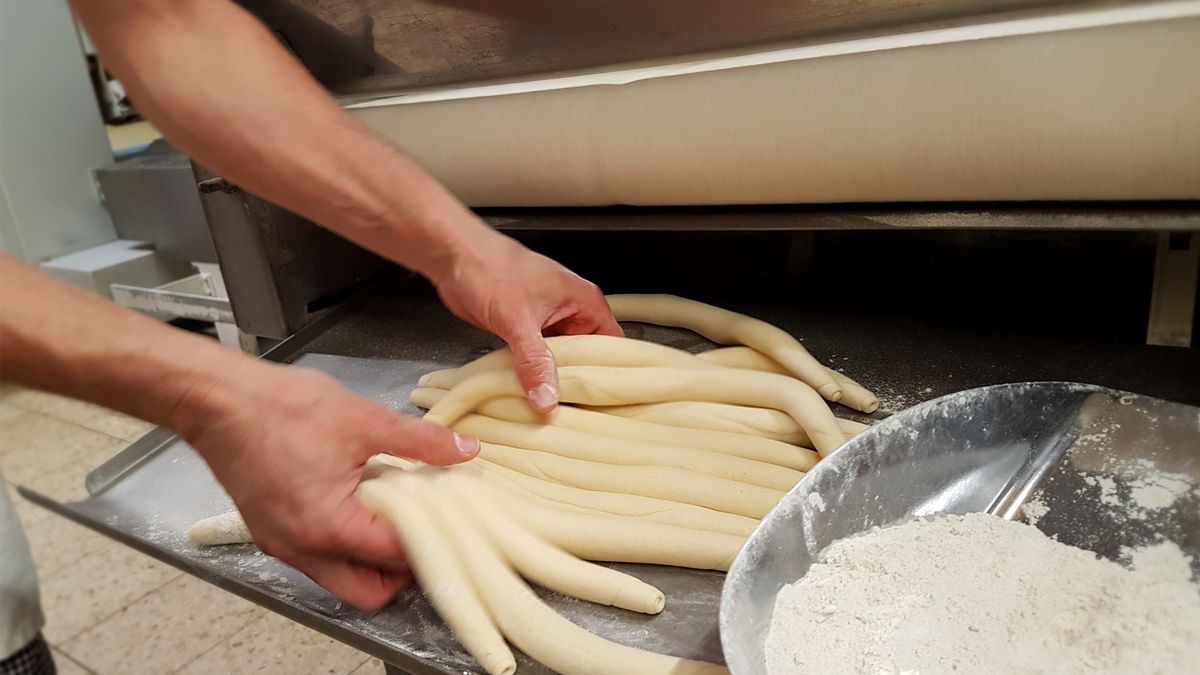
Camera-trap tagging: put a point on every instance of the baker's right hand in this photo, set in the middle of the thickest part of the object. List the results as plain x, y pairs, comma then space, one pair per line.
289, 445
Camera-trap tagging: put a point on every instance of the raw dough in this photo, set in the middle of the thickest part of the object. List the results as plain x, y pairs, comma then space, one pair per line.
551, 568
738, 419
227, 528
726, 327
598, 385
740, 445
595, 502
680, 485
617, 539
535, 628
598, 448
439, 571
574, 350
854, 395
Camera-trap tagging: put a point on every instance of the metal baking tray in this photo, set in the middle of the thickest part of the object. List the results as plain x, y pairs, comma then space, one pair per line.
381, 341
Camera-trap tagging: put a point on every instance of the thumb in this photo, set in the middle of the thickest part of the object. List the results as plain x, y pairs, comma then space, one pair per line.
536, 370
415, 438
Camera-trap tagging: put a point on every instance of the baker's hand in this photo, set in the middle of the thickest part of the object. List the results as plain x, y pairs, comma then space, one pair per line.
289, 444
522, 296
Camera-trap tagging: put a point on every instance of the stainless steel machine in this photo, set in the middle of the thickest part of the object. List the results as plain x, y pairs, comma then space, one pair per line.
945, 297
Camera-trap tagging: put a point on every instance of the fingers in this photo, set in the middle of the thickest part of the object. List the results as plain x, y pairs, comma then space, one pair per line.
536, 370
363, 586
415, 438
367, 537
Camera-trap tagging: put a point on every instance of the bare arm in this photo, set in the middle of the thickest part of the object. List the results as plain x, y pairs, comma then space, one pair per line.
255, 423
220, 87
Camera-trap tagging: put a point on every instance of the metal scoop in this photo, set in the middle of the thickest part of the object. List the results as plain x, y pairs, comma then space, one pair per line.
1100, 469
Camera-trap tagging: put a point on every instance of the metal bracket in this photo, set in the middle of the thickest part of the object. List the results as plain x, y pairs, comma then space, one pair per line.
1173, 301
183, 299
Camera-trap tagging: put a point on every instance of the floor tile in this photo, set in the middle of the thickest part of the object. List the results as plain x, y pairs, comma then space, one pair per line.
274, 645
68, 666
57, 543
7, 413
369, 667
33, 444
164, 630
97, 586
84, 414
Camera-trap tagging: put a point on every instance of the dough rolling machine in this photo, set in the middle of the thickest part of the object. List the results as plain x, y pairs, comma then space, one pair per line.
917, 296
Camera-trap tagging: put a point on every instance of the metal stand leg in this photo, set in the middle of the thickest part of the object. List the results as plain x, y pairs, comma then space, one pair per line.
228, 332
1173, 302
800, 253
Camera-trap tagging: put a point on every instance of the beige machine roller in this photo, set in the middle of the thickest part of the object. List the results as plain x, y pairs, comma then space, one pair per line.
1095, 105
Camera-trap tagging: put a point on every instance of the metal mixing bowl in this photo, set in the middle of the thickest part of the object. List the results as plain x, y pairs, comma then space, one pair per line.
1081, 452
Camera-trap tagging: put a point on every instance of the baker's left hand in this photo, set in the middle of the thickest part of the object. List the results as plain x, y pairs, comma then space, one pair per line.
521, 296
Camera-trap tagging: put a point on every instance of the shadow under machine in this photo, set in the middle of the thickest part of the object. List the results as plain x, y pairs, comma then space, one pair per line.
920, 298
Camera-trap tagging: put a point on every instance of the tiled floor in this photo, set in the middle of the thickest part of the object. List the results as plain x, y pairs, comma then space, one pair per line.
110, 609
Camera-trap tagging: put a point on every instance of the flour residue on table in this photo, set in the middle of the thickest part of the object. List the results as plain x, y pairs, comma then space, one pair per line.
979, 594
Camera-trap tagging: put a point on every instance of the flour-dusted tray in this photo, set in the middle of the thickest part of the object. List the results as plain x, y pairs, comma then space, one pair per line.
381, 341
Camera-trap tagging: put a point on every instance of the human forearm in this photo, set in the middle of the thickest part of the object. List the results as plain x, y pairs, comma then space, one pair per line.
221, 87
58, 338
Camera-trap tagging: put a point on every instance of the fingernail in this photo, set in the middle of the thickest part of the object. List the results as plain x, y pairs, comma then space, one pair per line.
543, 397
467, 445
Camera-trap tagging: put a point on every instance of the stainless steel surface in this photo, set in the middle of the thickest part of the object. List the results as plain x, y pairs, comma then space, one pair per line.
983, 450
359, 47
176, 304
280, 270
1181, 216
381, 341
152, 197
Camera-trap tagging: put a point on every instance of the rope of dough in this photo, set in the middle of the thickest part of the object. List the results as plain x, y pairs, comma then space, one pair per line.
610, 538
679, 485
574, 350
551, 568
739, 445
854, 395
597, 448
439, 572
227, 528
613, 503
532, 626
598, 385
737, 419
726, 327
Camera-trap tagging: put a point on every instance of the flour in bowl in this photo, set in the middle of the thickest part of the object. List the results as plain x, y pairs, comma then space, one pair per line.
979, 594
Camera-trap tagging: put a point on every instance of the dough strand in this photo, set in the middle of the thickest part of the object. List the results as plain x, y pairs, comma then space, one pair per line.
439, 571
595, 502
603, 386
854, 395
746, 446
730, 418
726, 327
551, 568
535, 628
680, 485
620, 452
574, 350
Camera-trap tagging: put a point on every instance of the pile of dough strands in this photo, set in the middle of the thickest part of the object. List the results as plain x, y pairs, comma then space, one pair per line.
656, 456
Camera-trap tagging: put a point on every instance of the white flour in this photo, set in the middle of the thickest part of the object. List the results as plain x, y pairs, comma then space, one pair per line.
979, 594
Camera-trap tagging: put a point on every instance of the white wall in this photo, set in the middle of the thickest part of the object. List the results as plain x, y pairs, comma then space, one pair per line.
51, 135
